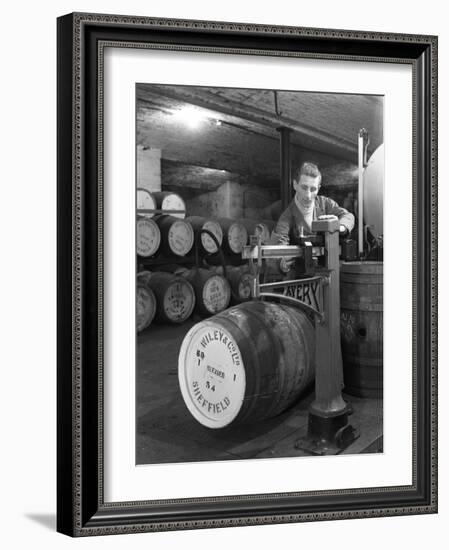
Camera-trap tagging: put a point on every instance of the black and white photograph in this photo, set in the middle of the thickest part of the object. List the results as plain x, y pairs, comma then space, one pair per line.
246, 274
259, 273
182, 165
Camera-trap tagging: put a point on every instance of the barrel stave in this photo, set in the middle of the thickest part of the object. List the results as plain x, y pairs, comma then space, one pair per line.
262, 381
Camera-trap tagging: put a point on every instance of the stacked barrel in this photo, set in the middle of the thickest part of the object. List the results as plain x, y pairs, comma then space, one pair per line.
161, 226
208, 233
189, 265
145, 302
164, 230
240, 280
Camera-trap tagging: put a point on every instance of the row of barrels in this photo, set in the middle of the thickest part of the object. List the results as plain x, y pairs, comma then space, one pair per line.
148, 203
151, 202
175, 236
173, 297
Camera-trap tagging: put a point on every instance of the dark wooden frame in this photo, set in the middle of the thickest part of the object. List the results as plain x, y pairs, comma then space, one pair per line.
81, 509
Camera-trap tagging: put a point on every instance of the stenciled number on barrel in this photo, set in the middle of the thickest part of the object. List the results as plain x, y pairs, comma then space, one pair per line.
200, 355
214, 380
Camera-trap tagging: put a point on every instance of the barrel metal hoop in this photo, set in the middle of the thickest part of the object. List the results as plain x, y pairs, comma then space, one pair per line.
159, 211
361, 307
352, 359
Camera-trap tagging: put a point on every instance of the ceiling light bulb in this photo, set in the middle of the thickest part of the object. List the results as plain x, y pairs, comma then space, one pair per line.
190, 116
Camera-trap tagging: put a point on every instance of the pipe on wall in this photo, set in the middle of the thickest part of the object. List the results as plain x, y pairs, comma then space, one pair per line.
285, 166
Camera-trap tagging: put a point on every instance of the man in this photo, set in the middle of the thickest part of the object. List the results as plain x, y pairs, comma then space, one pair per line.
307, 205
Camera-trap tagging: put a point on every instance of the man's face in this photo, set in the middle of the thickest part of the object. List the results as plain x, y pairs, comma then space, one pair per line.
306, 189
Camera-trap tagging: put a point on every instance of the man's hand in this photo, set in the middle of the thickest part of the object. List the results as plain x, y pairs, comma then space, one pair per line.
342, 229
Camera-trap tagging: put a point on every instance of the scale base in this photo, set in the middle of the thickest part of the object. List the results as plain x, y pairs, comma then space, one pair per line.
328, 435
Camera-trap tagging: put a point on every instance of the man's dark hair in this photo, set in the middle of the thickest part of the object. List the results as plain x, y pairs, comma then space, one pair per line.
307, 169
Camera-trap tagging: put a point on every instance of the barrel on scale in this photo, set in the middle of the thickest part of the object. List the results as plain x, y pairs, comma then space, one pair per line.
361, 326
247, 363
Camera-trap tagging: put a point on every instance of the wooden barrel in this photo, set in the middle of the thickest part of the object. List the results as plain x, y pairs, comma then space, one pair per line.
235, 235
245, 364
170, 202
143, 277
361, 305
212, 291
145, 306
145, 201
250, 226
241, 281
148, 237
174, 295
176, 235
198, 223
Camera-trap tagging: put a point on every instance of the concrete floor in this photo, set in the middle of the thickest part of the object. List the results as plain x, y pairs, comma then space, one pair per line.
167, 433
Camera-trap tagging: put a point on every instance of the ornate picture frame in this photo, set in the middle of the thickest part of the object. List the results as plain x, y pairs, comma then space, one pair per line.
82, 509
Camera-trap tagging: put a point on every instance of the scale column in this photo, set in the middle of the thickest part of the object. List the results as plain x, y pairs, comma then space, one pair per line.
329, 366
329, 431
